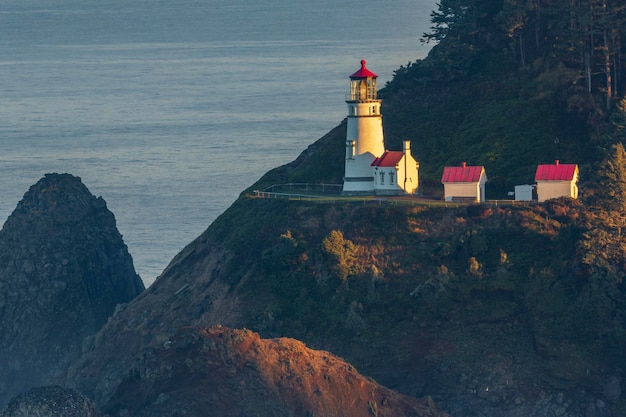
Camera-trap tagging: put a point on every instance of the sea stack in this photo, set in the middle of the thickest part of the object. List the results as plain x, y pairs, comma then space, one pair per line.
64, 268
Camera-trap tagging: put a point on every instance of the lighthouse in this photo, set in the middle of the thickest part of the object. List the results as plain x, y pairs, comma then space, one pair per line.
364, 136
370, 168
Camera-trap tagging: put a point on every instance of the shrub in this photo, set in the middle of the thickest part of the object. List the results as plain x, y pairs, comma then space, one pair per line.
342, 254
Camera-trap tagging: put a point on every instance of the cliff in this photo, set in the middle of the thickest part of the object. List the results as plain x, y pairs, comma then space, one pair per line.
483, 308
51, 401
67, 270
235, 372
63, 270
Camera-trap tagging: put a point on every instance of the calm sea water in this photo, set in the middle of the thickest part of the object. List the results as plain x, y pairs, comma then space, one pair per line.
168, 109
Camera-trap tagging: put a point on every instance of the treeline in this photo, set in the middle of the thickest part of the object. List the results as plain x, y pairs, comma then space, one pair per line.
584, 35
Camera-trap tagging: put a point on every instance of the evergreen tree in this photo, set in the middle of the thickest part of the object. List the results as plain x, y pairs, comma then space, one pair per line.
513, 19
604, 245
612, 183
582, 34
447, 21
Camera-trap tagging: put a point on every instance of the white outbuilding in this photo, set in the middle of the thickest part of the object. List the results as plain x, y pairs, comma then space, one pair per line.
556, 180
396, 172
464, 183
524, 192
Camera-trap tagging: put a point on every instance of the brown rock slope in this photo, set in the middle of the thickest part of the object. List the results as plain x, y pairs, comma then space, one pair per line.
224, 372
63, 269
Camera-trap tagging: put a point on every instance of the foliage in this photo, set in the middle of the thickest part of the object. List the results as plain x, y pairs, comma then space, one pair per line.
321, 271
584, 34
509, 84
612, 175
509, 125
342, 254
604, 244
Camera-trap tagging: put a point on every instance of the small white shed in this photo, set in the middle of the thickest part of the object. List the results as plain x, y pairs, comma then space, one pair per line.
556, 180
464, 183
524, 192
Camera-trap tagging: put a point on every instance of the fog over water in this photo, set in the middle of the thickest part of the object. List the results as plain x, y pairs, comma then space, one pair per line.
168, 109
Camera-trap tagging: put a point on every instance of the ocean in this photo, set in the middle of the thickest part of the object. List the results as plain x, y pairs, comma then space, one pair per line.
169, 109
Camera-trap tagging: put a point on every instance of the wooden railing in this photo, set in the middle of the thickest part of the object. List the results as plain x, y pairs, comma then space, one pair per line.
332, 193
305, 188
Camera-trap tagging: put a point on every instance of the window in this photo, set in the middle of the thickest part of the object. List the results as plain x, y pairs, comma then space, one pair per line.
363, 89
350, 149
382, 177
391, 178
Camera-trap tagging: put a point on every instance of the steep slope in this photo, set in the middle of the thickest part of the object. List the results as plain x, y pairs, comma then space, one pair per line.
51, 401
63, 269
235, 372
482, 308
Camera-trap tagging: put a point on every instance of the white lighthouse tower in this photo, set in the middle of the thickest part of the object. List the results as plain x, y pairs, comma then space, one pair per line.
364, 138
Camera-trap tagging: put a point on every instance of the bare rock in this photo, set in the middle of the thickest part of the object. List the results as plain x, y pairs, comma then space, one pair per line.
225, 372
63, 269
51, 401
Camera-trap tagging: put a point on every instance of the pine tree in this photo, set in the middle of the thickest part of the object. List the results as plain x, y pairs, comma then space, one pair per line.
603, 245
613, 183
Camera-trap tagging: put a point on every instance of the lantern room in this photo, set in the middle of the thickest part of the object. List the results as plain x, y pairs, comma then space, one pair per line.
363, 85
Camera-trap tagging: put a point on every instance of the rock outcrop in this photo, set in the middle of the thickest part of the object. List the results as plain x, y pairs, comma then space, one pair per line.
51, 401
460, 304
224, 372
63, 270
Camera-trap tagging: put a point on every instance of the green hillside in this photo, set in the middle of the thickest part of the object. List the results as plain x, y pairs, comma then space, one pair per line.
436, 301
506, 86
531, 294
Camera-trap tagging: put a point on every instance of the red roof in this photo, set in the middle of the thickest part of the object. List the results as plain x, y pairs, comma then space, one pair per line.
363, 72
389, 159
556, 172
462, 174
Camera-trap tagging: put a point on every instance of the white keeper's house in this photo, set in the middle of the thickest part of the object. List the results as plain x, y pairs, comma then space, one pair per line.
464, 183
370, 168
556, 180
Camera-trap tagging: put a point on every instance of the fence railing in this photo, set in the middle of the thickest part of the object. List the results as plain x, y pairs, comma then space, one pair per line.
305, 187
332, 193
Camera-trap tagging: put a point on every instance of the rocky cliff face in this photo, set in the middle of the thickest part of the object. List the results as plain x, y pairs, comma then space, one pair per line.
486, 309
224, 372
51, 401
63, 269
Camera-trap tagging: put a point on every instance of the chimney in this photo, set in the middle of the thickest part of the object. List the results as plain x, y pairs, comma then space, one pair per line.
463, 164
406, 147
557, 162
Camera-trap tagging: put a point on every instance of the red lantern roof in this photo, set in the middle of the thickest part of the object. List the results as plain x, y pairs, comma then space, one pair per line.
463, 173
363, 72
556, 172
